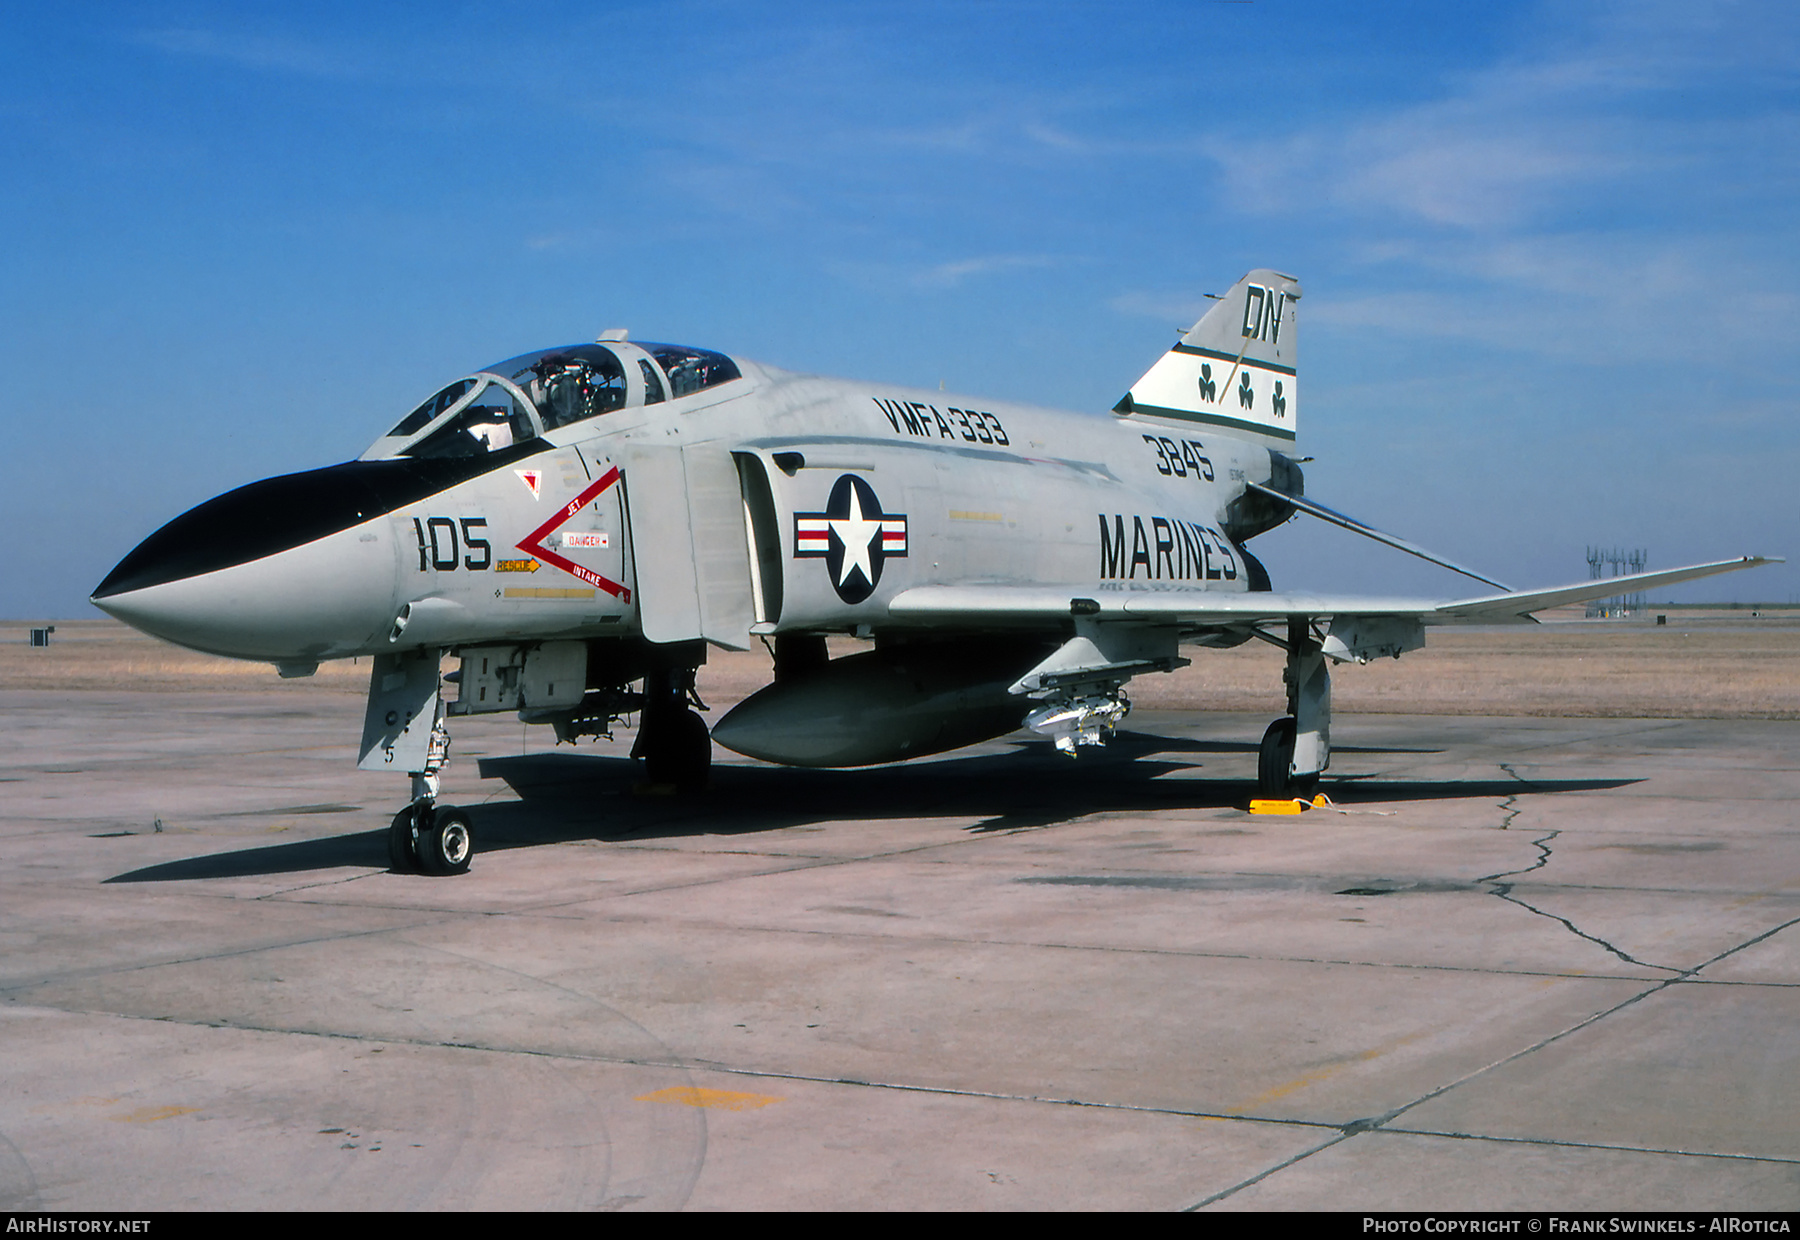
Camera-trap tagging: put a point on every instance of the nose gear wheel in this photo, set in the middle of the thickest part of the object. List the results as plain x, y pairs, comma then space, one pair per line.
430, 839
446, 846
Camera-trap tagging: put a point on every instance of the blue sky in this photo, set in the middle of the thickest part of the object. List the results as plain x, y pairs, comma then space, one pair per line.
1549, 250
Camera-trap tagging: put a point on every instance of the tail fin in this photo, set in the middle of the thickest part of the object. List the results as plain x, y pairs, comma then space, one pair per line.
1234, 368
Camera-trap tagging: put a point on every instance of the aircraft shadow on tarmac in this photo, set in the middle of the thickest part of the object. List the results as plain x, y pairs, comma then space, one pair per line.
569, 796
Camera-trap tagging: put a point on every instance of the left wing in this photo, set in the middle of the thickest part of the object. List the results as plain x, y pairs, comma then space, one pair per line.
1122, 633
1188, 606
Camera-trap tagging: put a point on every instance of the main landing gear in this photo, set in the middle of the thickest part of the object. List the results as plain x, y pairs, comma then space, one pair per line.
1297, 747
672, 738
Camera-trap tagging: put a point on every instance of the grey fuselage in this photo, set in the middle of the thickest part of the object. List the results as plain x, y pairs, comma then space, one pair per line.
718, 514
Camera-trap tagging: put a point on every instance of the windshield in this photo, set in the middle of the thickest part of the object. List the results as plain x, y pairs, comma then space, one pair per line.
482, 413
421, 417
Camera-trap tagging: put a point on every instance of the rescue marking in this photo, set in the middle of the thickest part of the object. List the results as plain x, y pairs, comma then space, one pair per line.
533, 543
517, 566
853, 536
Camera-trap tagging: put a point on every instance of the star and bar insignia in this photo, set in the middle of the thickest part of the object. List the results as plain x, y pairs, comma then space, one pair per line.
853, 536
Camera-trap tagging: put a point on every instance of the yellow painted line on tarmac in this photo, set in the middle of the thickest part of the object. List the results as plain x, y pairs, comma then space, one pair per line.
1321, 1074
1298, 1083
148, 1115
718, 1099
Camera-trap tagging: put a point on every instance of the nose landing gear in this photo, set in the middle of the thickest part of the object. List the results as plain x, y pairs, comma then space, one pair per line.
404, 729
428, 838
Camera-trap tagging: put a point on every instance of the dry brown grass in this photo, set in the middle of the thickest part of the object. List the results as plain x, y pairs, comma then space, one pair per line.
1703, 671
85, 655
1703, 665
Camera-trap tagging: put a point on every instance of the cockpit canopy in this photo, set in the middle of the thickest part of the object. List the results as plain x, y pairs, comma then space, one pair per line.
523, 397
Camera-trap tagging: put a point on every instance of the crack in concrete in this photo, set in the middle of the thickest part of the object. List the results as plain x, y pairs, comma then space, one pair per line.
1504, 890
1380, 1123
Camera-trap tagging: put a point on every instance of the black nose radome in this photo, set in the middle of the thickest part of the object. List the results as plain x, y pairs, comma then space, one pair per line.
275, 514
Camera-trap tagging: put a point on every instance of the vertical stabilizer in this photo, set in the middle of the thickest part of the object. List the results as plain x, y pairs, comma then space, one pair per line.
1235, 368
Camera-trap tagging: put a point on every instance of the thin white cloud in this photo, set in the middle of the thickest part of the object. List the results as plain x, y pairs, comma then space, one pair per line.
949, 275
755, 192
279, 53
1473, 165
1590, 114
1056, 138
1651, 303
883, 275
1452, 175
1612, 195
1179, 310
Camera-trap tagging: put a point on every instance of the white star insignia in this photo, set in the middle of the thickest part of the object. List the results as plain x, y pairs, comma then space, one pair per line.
858, 535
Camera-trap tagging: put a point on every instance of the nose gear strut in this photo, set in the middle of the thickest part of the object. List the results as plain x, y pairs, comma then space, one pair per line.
403, 729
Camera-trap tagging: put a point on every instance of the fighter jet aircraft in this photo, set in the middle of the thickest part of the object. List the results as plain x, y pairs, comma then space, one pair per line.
576, 526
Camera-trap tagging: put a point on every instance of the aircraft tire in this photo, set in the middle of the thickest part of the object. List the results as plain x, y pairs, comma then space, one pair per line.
446, 846
1275, 760
1275, 763
403, 857
679, 751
